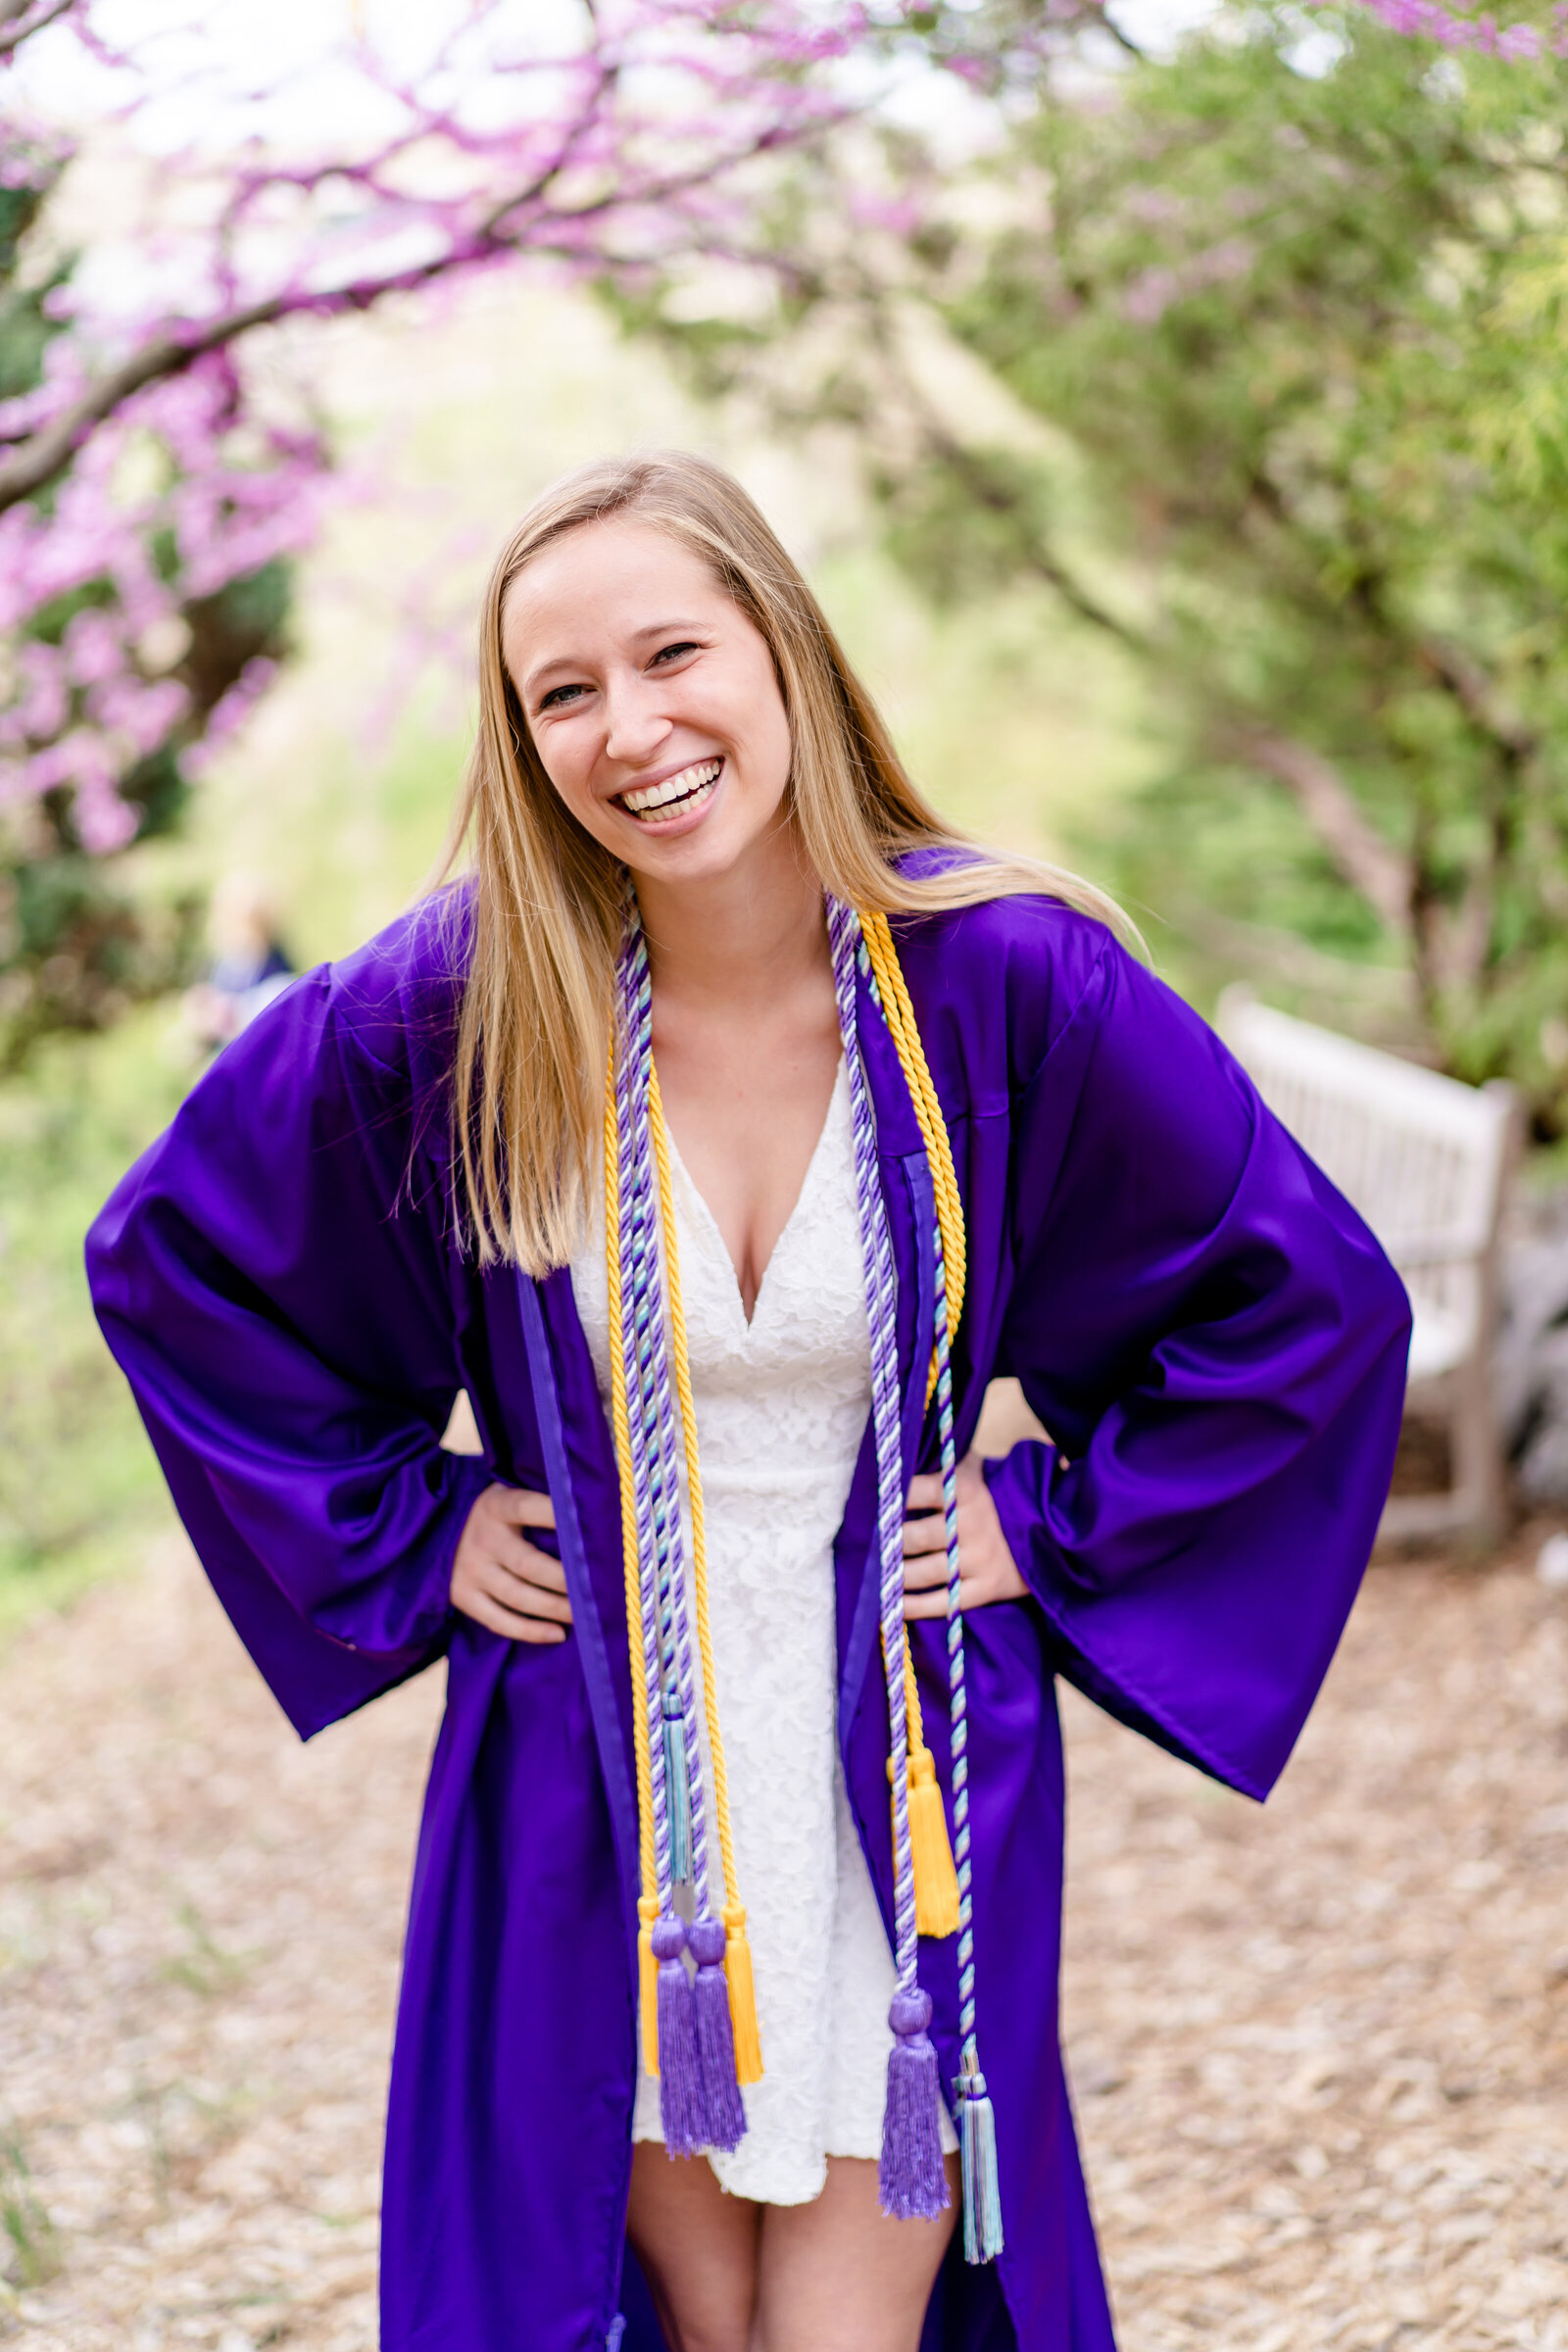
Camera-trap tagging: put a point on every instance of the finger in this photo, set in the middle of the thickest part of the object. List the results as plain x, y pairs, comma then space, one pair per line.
926, 1571
520, 1506
972, 1595
925, 1535
514, 1627
526, 1599
984, 1592
521, 1559
925, 1492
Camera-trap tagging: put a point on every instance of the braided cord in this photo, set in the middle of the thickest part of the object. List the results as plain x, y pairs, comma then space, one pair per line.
899, 1013
950, 1254
643, 1284
892, 994
630, 1257
958, 1693
881, 1298
645, 1319
693, 1486
642, 1739
627, 1348
982, 2218
658, 1401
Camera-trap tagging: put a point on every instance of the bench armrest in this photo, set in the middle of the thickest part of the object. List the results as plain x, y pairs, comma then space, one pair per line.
1435, 1250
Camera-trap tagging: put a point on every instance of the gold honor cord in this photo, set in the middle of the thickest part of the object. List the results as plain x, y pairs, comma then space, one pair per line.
936, 1882
738, 1971
737, 1951
901, 1020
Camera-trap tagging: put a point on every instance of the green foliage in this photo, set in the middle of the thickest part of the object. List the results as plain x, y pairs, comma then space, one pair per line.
77, 1481
24, 324
1271, 392
1304, 326
80, 940
31, 2241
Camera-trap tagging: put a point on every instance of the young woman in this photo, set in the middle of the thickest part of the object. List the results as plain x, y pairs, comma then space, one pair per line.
723, 1197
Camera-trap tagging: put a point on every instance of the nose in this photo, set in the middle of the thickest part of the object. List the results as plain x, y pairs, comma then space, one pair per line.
635, 725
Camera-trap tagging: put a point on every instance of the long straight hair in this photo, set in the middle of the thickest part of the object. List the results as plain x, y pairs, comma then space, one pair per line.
548, 902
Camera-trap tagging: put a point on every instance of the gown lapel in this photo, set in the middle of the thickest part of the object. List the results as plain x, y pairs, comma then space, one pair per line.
580, 1470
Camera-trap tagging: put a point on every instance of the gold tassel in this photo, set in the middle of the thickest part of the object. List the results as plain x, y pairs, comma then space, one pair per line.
936, 1882
742, 1996
647, 1983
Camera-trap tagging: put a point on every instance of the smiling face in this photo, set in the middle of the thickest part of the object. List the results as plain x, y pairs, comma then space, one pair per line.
652, 700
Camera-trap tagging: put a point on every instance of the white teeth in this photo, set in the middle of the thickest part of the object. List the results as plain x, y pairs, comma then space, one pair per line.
673, 788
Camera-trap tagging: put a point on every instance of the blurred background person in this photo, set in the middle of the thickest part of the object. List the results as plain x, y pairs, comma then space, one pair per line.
250, 964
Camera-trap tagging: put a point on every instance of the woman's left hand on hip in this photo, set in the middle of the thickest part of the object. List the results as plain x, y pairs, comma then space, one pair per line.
987, 1570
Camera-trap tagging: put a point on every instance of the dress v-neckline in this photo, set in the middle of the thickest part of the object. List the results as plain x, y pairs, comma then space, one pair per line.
710, 1222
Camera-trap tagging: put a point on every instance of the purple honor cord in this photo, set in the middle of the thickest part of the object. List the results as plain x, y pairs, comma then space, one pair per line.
699, 2100
913, 2184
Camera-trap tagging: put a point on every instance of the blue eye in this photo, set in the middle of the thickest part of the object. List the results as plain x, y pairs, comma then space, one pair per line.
669, 653
558, 695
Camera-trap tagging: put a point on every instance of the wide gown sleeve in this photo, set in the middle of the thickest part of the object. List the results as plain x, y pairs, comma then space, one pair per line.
1217, 1345
284, 1312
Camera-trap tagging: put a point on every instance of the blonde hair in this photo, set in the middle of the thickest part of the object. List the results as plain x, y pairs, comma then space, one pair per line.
547, 901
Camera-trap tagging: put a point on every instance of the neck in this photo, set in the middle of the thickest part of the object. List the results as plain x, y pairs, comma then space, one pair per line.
738, 939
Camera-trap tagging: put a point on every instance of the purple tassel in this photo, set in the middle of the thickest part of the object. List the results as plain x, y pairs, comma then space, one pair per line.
715, 2035
680, 2080
913, 2184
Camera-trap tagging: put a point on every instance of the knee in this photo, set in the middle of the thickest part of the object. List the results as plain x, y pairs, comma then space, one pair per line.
706, 2322
710, 2331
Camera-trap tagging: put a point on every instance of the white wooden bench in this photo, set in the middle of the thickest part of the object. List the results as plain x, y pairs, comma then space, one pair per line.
1427, 1162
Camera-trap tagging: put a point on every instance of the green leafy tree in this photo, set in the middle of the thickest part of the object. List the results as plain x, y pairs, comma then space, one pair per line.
1304, 316
1288, 306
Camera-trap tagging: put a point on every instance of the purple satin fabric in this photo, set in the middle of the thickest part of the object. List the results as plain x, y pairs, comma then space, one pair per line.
1213, 1338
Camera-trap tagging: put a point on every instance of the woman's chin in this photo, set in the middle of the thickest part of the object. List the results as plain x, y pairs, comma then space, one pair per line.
706, 847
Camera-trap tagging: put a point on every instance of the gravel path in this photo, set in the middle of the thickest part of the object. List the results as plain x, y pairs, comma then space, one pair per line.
1320, 2053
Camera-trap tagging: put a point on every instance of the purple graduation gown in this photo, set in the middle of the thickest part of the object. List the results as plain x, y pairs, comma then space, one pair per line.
1212, 1337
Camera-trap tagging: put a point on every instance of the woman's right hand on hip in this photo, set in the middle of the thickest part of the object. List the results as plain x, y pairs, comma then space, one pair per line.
498, 1577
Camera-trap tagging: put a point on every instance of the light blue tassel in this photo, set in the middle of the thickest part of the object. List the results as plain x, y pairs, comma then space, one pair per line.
977, 2146
617, 2333
677, 1799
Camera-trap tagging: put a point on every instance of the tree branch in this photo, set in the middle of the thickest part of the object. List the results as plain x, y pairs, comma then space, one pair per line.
1369, 863
1473, 691
999, 496
1041, 557
20, 20
42, 455
46, 454
1100, 15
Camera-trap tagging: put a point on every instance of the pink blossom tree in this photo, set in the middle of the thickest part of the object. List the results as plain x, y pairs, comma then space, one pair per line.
153, 487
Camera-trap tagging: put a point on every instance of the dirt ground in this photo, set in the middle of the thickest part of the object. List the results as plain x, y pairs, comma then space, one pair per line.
1320, 2052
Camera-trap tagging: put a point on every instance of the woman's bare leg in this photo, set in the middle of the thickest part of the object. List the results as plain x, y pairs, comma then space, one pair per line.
697, 2249
837, 2276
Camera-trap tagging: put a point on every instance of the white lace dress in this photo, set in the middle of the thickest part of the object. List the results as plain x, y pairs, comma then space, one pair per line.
781, 1406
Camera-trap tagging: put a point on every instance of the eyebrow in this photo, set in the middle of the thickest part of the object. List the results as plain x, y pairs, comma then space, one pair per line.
654, 628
